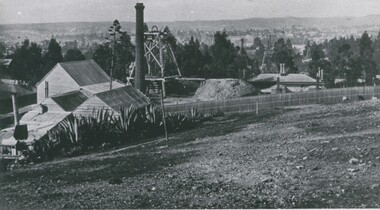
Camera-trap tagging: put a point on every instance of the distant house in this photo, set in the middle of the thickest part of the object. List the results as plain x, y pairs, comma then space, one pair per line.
267, 82
70, 76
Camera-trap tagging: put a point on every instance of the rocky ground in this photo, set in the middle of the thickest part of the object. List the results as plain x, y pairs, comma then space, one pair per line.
300, 157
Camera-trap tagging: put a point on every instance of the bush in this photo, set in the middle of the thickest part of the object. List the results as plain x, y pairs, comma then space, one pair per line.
77, 135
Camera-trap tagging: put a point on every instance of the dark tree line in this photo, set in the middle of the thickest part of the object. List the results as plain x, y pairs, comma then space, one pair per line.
350, 59
30, 64
220, 60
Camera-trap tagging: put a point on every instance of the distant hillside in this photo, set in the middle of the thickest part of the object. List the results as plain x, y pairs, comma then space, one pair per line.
263, 23
255, 23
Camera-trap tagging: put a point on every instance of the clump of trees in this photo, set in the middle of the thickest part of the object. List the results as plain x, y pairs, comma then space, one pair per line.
27, 62
122, 57
30, 64
220, 60
351, 59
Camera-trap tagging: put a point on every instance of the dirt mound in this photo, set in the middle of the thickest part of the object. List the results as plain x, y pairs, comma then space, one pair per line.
217, 89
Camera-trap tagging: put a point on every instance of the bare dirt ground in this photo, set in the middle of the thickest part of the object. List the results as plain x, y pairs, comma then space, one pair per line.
291, 158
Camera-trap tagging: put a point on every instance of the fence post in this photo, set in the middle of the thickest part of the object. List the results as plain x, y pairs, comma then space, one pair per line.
257, 107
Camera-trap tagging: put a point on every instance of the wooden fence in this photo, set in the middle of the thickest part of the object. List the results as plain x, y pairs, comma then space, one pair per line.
265, 102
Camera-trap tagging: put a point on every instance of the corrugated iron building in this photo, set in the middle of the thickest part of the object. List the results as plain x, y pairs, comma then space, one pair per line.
114, 100
76, 88
70, 76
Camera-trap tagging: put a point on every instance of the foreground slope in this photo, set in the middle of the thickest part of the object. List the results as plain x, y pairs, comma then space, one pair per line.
297, 157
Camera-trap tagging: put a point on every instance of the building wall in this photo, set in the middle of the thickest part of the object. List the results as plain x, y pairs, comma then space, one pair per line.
87, 108
59, 82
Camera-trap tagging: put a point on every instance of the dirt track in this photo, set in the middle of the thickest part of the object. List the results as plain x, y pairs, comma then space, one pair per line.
297, 157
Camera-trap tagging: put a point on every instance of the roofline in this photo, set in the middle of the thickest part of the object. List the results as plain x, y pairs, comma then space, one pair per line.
120, 88
78, 61
47, 74
59, 63
111, 89
96, 95
288, 83
63, 94
93, 96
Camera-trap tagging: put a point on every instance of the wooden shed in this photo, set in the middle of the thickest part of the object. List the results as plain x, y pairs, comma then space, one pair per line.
70, 76
115, 99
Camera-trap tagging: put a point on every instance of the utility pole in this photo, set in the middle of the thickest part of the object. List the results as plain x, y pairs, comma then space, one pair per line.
15, 109
162, 61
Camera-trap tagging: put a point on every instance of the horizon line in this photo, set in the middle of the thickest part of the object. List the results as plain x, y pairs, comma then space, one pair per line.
174, 21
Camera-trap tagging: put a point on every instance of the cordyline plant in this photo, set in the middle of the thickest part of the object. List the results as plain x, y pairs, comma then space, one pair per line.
77, 134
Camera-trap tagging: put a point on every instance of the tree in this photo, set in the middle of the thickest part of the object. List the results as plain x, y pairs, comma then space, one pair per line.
283, 53
53, 56
242, 62
191, 59
353, 71
2, 49
306, 51
256, 67
2, 53
326, 66
124, 55
27, 62
377, 50
260, 49
368, 65
74, 55
102, 56
316, 52
171, 38
347, 65
366, 49
223, 55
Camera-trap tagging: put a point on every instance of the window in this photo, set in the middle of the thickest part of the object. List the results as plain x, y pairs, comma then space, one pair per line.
46, 89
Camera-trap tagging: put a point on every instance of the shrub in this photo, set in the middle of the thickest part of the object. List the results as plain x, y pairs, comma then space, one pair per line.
77, 135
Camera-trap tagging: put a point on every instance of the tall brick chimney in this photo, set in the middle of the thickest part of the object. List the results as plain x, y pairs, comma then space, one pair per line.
139, 71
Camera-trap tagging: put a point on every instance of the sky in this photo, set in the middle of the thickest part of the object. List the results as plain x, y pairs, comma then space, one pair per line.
43, 11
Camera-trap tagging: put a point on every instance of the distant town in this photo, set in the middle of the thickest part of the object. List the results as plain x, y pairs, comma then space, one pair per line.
86, 36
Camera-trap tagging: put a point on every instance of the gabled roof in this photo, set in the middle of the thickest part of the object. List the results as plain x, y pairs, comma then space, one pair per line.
86, 72
290, 78
70, 101
124, 97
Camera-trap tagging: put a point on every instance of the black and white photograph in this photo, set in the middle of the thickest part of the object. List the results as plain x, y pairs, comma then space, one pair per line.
189, 104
